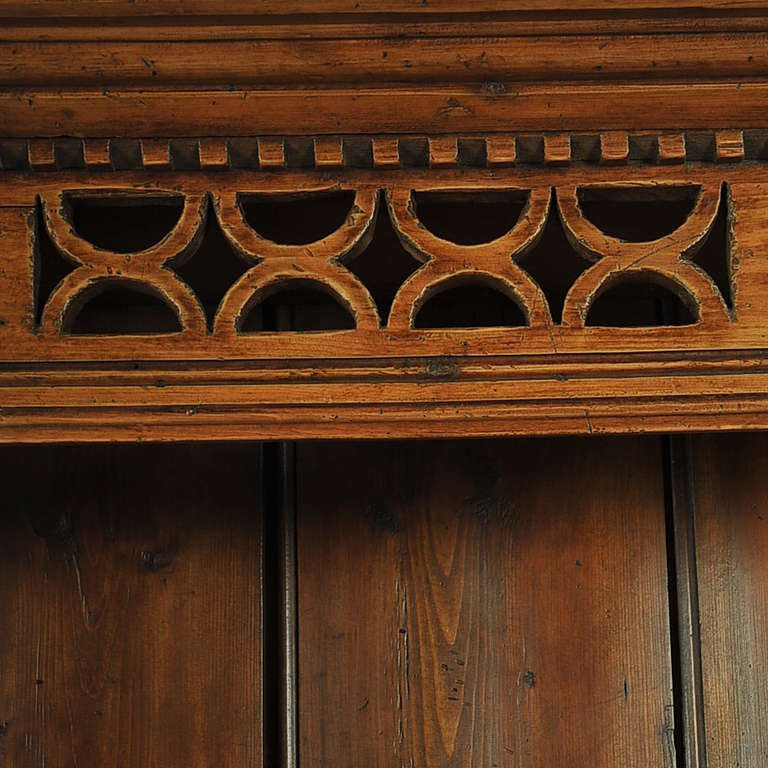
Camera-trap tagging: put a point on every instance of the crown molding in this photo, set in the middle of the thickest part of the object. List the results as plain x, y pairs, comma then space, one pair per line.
146, 68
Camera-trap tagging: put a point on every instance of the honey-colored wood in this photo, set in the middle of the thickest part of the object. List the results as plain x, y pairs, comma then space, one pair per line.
213, 154
729, 146
443, 151
459, 608
385, 153
365, 109
96, 153
544, 375
381, 98
271, 153
671, 148
731, 519
557, 149
107, 8
328, 152
132, 607
441, 604
155, 154
32, 59
501, 150
614, 146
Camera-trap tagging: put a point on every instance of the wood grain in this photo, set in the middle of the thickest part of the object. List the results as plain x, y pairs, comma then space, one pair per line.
106, 8
459, 608
131, 626
604, 57
731, 519
376, 380
241, 111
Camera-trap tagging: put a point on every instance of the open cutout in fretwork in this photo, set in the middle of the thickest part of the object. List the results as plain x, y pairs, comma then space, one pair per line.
296, 219
50, 266
470, 303
638, 213
118, 308
212, 268
469, 218
297, 305
553, 263
642, 300
122, 223
714, 255
384, 265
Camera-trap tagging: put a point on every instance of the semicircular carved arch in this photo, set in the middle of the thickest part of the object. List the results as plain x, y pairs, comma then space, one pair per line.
143, 268
615, 258
320, 261
444, 259
255, 283
512, 260
349, 238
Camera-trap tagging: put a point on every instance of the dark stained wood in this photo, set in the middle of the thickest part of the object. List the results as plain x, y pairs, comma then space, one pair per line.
684, 598
483, 604
731, 518
131, 620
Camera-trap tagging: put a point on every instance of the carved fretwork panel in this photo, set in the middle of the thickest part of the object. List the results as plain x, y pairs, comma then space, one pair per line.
289, 298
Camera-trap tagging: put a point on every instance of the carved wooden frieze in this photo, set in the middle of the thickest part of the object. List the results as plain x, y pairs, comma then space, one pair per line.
506, 299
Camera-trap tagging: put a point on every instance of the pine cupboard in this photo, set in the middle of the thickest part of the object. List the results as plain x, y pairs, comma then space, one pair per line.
381, 384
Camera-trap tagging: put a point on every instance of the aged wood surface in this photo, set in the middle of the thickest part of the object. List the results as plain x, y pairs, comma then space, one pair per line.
55, 8
378, 66
239, 111
459, 608
45, 63
684, 601
731, 518
387, 100
554, 369
131, 618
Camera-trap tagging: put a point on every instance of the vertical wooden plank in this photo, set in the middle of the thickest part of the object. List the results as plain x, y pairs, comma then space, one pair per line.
289, 607
731, 520
687, 602
483, 604
131, 625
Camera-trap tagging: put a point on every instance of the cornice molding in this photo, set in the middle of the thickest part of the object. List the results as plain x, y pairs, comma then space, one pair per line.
272, 153
190, 69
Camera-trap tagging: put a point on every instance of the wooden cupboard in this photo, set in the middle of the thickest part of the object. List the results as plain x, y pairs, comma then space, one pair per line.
382, 384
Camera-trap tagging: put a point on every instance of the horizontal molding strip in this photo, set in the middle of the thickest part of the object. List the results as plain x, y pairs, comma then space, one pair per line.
416, 109
546, 370
376, 421
106, 8
335, 152
603, 57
